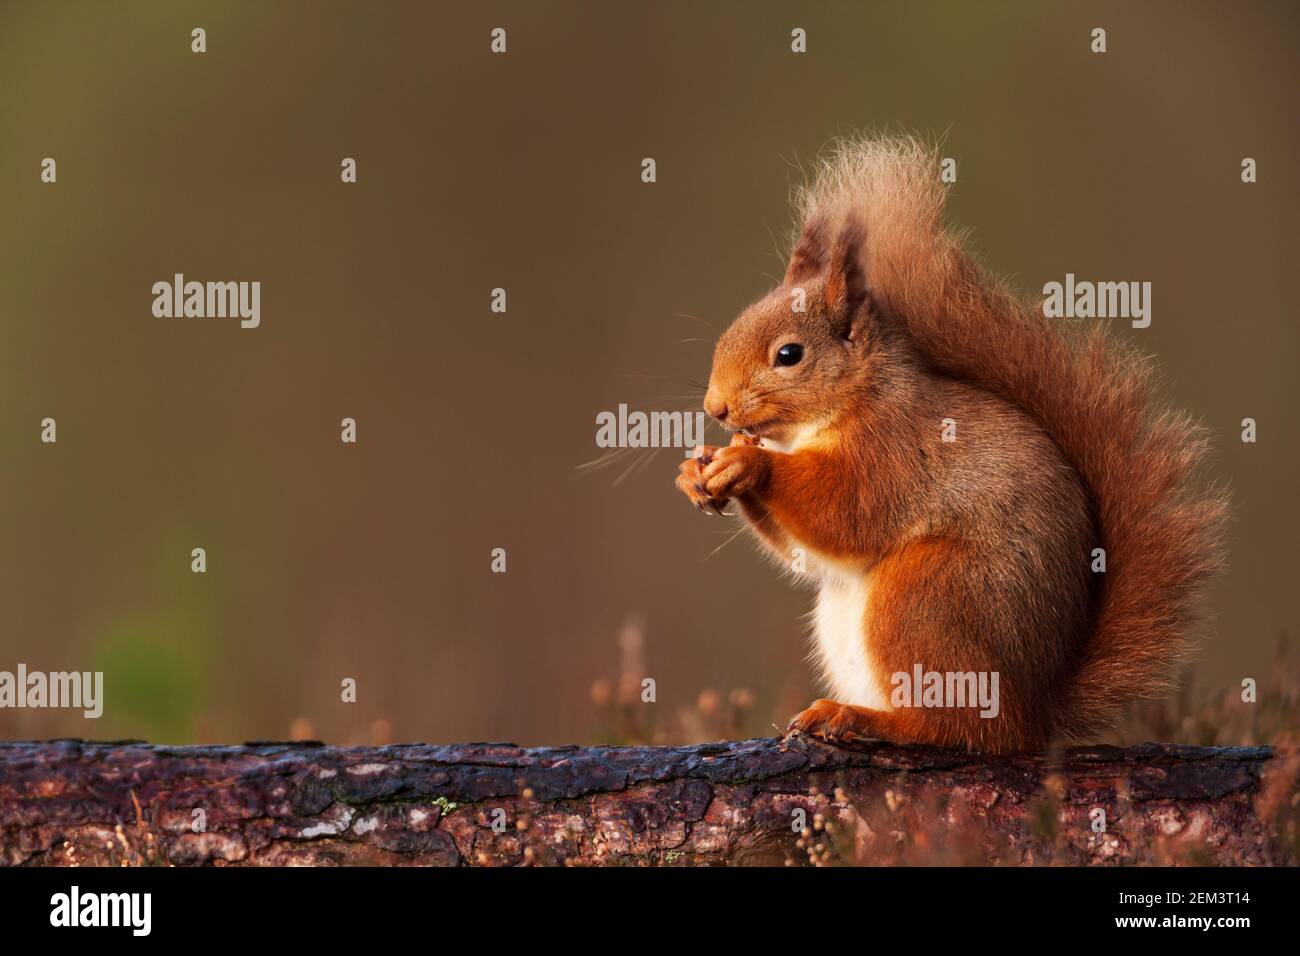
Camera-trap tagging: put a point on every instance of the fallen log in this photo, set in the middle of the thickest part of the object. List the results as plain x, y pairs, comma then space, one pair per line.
771, 801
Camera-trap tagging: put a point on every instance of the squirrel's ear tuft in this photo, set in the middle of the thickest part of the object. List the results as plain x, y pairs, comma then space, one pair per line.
846, 280
809, 254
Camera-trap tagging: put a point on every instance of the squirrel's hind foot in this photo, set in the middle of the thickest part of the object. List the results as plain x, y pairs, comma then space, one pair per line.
837, 723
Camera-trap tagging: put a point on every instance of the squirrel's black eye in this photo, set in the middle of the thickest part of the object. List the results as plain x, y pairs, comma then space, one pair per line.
789, 354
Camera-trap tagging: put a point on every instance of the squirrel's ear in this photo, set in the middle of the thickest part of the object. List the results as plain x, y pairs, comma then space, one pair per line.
809, 254
846, 281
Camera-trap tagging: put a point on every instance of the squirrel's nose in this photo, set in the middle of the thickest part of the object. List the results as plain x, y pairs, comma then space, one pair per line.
715, 407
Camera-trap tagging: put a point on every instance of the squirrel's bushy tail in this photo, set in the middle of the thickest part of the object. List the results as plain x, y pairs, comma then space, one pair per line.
1163, 532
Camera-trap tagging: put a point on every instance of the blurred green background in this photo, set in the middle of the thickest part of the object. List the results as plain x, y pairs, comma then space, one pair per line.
371, 561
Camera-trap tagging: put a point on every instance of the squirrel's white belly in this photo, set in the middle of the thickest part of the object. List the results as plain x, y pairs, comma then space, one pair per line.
842, 650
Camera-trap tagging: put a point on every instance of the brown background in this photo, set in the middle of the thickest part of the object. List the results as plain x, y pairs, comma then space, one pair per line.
522, 171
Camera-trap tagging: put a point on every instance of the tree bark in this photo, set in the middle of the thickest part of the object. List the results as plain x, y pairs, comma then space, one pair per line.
264, 803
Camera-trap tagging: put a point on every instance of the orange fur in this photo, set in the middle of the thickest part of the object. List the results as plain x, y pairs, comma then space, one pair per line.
971, 555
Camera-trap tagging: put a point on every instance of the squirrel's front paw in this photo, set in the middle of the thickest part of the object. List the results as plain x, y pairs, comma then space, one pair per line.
737, 470
690, 480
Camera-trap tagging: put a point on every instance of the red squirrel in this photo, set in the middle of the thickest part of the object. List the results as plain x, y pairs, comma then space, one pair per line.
973, 488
